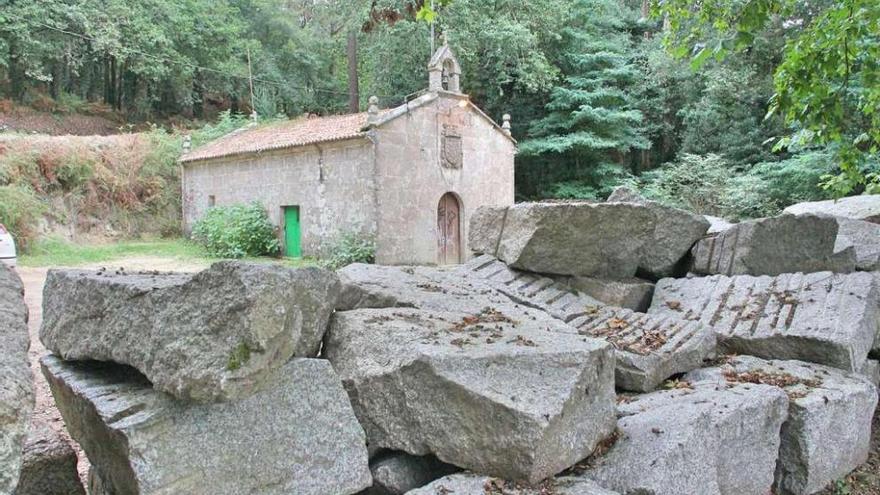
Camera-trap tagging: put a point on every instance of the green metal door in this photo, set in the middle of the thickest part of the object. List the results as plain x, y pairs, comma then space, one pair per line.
292, 244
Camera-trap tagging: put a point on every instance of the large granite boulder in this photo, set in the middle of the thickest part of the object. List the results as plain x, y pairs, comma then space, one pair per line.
297, 435
674, 234
216, 335
487, 225
828, 431
396, 473
590, 239
702, 440
49, 465
865, 207
16, 385
649, 349
483, 391
375, 286
822, 317
864, 238
772, 246
474, 484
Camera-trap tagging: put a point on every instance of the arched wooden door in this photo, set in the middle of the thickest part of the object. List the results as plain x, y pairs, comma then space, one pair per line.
449, 230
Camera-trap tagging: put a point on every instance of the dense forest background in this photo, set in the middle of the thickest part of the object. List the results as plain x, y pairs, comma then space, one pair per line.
596, 98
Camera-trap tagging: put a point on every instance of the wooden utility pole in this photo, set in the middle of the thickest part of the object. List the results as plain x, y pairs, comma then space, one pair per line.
251, 84
432, 32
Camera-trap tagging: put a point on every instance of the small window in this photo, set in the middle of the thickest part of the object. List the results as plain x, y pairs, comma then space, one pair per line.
211, 201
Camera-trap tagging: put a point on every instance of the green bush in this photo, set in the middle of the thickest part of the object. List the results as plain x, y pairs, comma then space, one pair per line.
573, 189
767, 188
20, 209
237, 231
350, 248
711, 186
694, 183
593, 182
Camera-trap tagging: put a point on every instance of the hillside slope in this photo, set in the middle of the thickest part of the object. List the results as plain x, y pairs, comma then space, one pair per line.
111, 186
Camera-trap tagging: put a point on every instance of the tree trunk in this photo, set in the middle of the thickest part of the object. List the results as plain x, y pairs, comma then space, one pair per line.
120, 88
198, 105
646, 14
16, 76
354, 96
55, 83
107, 79
111, 83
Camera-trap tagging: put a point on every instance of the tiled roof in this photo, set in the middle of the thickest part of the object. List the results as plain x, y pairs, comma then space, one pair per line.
279, 135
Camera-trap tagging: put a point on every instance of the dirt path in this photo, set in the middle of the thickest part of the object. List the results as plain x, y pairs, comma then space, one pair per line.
45, 411
44, 408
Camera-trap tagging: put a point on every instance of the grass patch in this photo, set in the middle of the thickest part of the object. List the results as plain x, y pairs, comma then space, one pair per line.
58, 252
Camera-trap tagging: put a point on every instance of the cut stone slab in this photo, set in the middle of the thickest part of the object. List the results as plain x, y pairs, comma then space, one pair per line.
528, 289
772, 246
704, 440
487, 224
828, 431
397, 473
515, 399
457, 290
823, 317
49, 465
649, 349
298, 435
212, 336
865, 207
632, 293
673, 346
602, 240
473, 484
375, 286
864, 237
673, 235
16, 384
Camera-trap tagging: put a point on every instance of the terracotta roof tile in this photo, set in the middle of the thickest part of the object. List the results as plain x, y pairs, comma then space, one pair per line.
279, 135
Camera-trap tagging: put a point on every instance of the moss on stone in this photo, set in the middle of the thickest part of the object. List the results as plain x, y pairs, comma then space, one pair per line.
239, 356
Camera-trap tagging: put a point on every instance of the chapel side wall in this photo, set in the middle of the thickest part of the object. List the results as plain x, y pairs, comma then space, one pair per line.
332, 183
412, 179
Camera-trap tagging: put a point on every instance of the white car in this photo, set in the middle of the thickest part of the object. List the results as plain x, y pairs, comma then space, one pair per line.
7, 247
